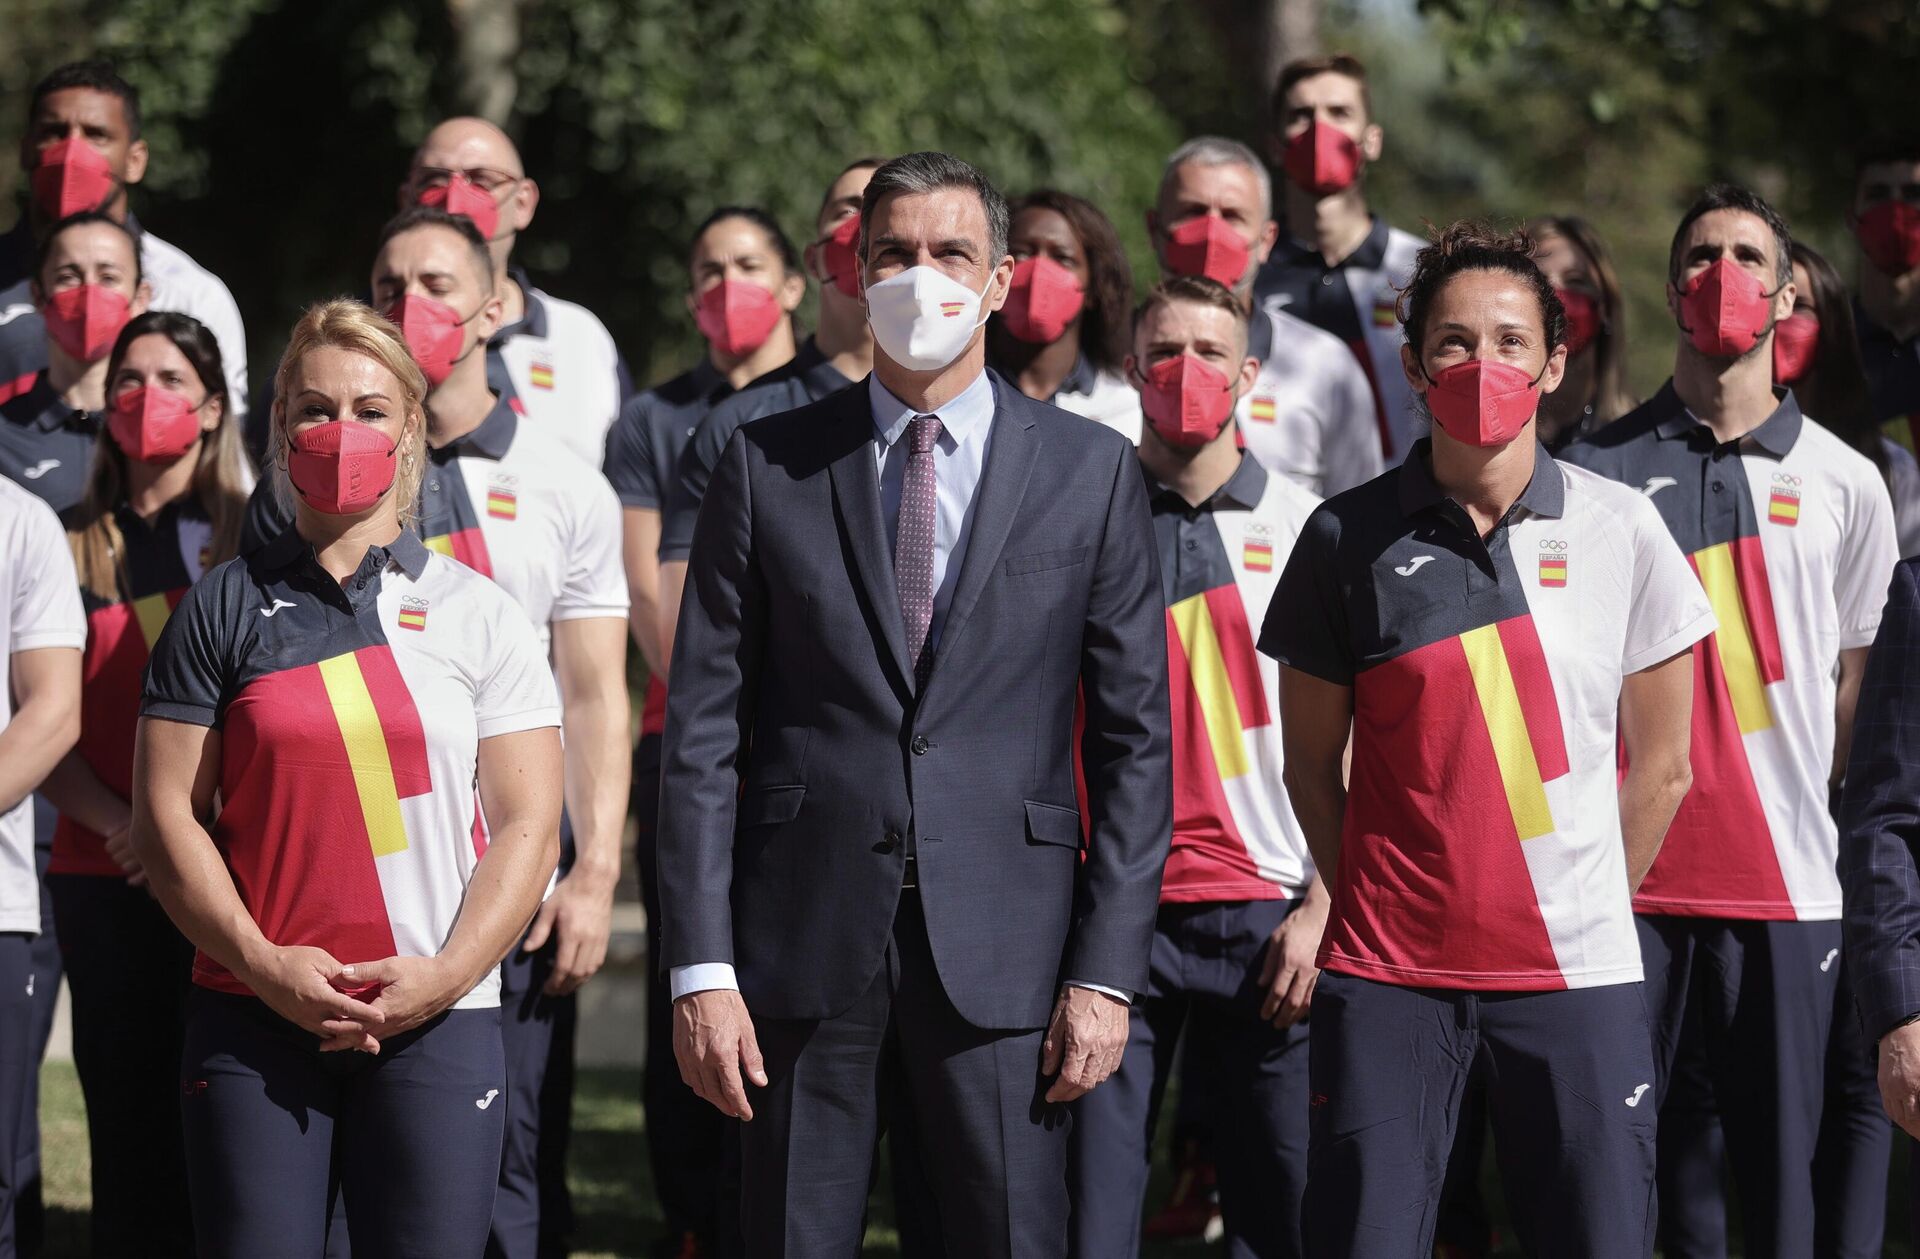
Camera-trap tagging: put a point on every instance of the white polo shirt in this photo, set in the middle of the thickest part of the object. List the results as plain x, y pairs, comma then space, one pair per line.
1481, 848
1791, 533
1310, 415
564, 368
526, 512
39, 609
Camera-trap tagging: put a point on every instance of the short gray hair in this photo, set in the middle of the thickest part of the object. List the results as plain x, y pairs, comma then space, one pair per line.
929, 172
1219, 151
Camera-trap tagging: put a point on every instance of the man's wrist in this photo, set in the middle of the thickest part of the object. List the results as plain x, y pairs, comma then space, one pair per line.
684, 981
595, 876
1122, 997
1908, 1021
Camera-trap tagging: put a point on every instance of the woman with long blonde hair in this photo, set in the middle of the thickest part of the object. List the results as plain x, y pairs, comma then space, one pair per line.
166, 487
358, 703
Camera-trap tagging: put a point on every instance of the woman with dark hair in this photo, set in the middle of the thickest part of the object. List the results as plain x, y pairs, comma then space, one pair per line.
1817, 355
165, 496
86, 285
1479, 626
1063, 332
1570, 253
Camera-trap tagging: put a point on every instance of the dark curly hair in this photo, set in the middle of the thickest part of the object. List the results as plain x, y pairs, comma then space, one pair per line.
1472, 245
1104, 323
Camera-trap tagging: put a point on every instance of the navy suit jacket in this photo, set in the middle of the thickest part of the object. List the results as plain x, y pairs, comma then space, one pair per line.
1880, 818
798, 757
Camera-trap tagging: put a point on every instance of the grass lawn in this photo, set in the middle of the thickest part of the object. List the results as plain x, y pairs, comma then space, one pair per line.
613, 1191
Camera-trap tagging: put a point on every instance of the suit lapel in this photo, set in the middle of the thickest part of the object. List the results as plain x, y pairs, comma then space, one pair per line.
1003, 484
856, 486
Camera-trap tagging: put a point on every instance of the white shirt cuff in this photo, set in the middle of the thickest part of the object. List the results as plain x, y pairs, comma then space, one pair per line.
702, 977
1115, 993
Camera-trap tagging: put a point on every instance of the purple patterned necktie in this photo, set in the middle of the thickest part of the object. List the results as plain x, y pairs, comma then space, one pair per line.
913, 544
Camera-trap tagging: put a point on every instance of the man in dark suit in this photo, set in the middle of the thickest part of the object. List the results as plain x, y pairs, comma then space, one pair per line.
869, 837
1880, 853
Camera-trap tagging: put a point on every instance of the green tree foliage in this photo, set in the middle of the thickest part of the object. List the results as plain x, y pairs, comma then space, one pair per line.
280, 129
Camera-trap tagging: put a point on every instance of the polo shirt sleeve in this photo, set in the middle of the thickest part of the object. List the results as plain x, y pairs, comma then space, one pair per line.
697, 462
45, 606
596, 581
193, 665
629, 463
1869, 548
1667, 611
515, 689
1306, 626
1351, 445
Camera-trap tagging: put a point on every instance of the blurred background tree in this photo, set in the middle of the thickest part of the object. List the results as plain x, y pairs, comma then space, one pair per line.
280, 129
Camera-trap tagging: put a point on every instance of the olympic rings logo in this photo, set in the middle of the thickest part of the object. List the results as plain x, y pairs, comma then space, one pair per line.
1786, 478
1553, 544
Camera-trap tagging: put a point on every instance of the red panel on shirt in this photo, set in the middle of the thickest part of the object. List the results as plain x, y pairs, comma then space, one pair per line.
1527, 662
1433, 885
1756, 596
1229, 613
292, 829
1718, 860
1209, 859
116, 658
653, 715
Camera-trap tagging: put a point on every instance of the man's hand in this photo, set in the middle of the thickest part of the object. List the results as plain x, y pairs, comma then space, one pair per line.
580, 914
712, 1040
1287, 973
1900, 1076
120, 848
1085, 1039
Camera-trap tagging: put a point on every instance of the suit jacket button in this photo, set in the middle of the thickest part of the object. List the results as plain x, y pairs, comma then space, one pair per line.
919, 745
893, 839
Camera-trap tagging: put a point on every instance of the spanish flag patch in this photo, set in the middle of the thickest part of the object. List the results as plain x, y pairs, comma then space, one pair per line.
1386, 312
413, 614
502, 504
1261, 409
1783, 508
1257, 557
950, 309
1553, 570
540, 375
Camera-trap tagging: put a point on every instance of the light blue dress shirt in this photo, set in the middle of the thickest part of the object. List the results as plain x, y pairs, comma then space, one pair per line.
959, 458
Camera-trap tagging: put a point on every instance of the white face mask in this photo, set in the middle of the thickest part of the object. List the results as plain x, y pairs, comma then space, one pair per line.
923, 318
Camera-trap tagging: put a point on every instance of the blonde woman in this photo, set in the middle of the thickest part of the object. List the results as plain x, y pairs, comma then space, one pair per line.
167, 485
358, 703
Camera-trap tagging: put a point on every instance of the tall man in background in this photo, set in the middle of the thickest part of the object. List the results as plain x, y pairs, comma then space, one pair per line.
894, 596
1791, 533
1340, 266
558, 357
82, 150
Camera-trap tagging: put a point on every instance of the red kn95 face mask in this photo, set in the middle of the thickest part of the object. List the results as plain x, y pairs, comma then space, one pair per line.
72, 177
1583, 318
1207, 246
1889, 235
432, 329
342, 467
1322, 160
84, 321
1725, 310
839, 257
1186, 400
1481, 402
460, 195
1043, 302
1795, 341
153, 425
736, 316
